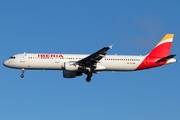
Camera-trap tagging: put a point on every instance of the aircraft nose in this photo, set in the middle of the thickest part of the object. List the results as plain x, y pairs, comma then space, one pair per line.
5, 63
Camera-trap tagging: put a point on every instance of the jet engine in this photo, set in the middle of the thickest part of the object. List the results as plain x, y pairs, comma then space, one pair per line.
70, 74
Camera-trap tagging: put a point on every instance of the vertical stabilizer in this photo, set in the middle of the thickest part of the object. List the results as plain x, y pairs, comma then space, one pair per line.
162, 49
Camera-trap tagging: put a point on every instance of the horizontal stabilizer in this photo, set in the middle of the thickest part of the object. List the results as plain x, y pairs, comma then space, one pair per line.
166, 58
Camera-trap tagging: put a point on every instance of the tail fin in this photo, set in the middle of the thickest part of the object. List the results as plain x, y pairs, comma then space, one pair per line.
162, 49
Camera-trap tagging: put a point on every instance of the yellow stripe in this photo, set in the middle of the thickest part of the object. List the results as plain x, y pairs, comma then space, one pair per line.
167, 36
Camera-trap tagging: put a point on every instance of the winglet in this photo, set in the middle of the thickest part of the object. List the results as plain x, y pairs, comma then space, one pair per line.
110, 46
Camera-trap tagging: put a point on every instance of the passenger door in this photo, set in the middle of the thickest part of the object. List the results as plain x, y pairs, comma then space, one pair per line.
22, 58
57, 60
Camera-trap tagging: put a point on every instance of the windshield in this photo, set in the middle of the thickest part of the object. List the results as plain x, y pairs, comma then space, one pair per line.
12, 57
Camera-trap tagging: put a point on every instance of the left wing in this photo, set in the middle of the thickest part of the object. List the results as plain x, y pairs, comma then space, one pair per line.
94, 58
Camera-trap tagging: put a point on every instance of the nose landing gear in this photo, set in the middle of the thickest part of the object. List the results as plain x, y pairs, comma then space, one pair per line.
22, 75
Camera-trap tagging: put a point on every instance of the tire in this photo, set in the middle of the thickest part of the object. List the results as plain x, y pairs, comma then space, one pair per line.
22, 76
88, 79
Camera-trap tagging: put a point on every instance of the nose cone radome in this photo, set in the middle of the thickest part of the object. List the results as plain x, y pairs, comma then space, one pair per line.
5, 63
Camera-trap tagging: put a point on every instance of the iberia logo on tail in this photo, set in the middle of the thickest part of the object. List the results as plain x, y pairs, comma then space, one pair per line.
160, 54
162, 49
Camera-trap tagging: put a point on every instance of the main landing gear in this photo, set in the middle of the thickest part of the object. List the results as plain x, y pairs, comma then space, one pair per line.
22, 75
89, 75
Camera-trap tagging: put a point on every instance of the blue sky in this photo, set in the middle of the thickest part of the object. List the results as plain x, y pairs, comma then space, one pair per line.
133, 27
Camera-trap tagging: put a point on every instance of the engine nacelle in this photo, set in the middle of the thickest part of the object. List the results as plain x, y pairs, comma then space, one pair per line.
71, 66
70, 74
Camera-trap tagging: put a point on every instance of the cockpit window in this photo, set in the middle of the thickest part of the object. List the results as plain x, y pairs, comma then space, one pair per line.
12, 57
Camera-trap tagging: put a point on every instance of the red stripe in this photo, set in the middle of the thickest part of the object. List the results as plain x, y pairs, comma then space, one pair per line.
161, 50
150, 62
157, 53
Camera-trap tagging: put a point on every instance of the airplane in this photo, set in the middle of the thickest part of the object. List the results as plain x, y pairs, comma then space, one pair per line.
74, 65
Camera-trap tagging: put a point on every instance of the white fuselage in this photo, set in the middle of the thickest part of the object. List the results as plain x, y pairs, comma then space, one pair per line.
77, 64
53, 62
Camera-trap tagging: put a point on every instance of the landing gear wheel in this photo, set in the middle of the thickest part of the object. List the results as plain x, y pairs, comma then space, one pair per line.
88, 79
22, 76
89, 75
